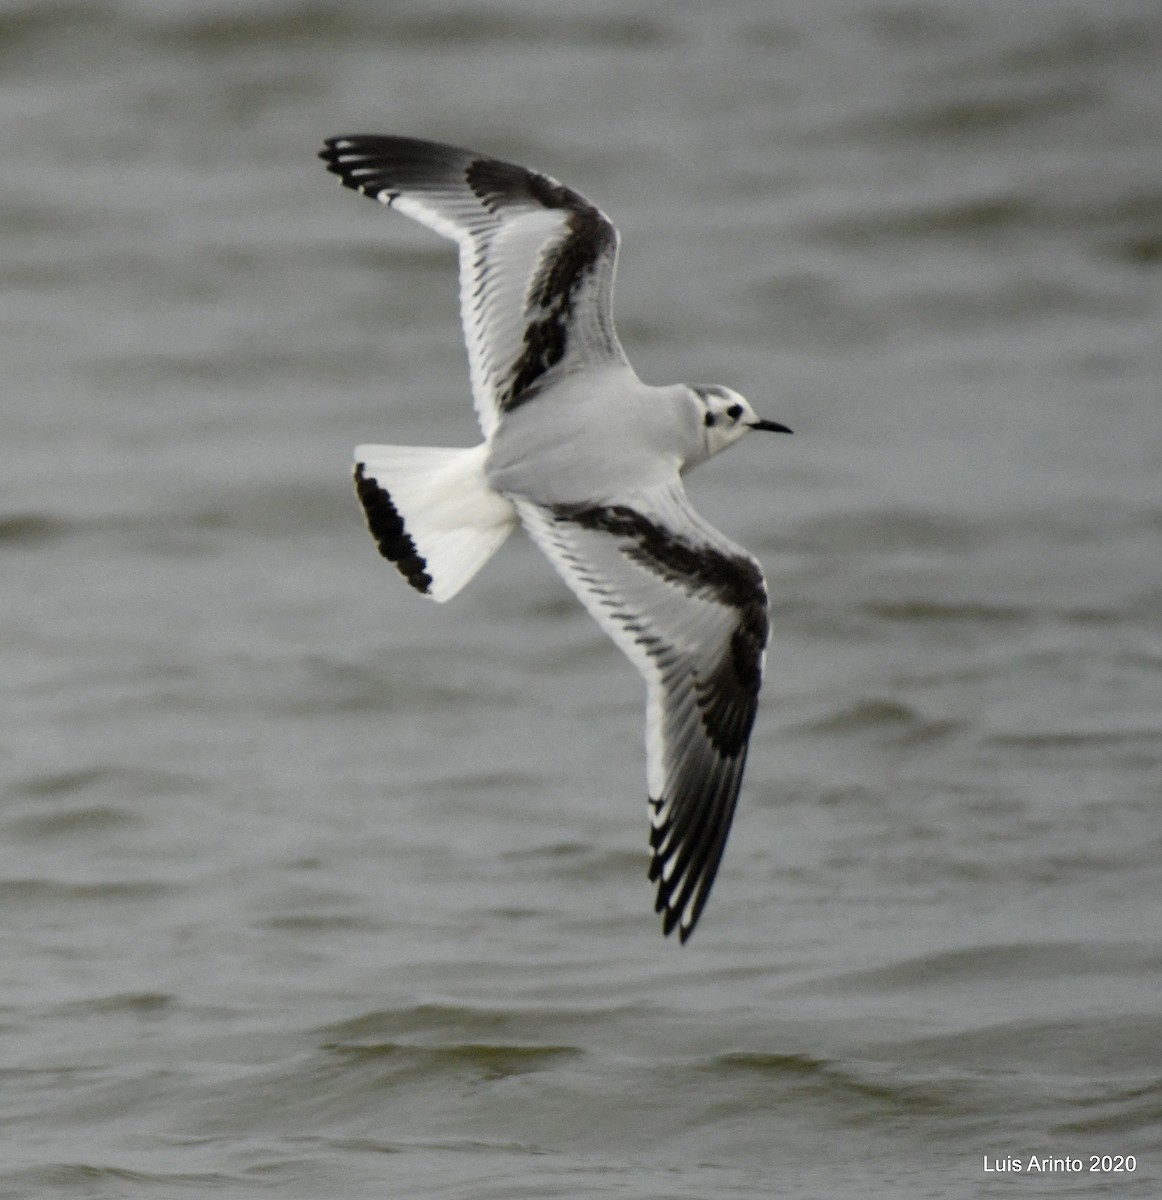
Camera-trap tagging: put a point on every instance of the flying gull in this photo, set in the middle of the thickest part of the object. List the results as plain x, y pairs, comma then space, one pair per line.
590, 461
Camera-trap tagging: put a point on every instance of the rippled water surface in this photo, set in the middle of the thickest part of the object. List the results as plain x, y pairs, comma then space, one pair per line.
310, 889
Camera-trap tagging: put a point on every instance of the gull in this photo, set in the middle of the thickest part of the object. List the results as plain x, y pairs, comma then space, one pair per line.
589, 459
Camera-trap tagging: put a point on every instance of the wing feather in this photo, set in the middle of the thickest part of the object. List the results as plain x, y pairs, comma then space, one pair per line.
688, 607
537, 260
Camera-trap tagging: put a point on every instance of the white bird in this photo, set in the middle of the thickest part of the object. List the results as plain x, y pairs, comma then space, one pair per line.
590, 460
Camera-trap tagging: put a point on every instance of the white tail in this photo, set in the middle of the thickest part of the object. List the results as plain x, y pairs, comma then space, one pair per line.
432, 512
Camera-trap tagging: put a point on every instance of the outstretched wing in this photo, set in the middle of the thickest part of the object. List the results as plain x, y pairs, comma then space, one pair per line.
689, 609
537, 260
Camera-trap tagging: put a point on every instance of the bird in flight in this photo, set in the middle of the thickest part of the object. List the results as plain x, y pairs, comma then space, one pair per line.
589, 459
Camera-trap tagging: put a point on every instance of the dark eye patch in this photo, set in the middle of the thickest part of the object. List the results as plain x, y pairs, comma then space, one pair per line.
708, 420
734, 412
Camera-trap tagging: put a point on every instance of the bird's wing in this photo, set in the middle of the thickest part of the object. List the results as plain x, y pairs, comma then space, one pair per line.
537, 260
689, 609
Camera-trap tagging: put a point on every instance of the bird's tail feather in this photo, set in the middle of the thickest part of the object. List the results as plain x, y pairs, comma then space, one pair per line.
432, 512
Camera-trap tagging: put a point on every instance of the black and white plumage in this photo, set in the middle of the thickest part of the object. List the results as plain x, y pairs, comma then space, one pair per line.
589, 459
536, 259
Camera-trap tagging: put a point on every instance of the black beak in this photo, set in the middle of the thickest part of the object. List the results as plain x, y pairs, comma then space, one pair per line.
770, 426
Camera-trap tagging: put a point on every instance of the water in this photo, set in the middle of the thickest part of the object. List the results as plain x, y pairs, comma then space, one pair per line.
309, 889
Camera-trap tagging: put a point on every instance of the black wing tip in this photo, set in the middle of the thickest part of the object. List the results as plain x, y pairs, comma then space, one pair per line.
333, 148
382, 166
366, 162
387, 527
330, 155
345, 155
361, 150
693, 853
671, 920
360, 143
670, 900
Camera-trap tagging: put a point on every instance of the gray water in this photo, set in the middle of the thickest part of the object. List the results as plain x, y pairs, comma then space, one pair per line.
311, 889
